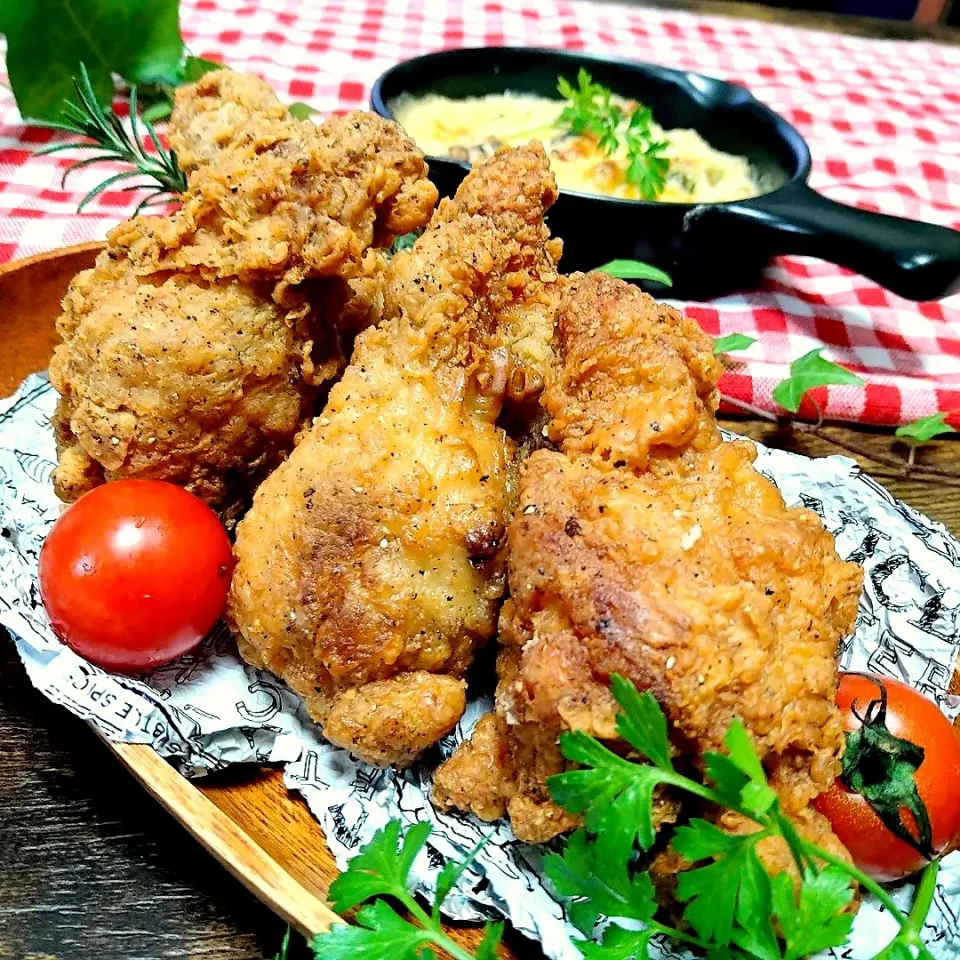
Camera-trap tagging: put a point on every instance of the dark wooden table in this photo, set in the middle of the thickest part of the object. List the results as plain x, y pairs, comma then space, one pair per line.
91, 867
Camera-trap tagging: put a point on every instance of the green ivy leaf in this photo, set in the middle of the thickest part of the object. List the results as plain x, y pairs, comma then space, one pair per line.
47, 41
925, 429
301, 111
810, 371
732, 342
635, 270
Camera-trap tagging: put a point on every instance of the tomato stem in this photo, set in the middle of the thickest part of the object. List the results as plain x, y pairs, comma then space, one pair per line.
882, 768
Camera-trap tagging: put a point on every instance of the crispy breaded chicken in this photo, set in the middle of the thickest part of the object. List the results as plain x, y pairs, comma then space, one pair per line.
699, 586
200, 383
370, 566
194, 349
225, 110
308, 203
648, 547
634, 379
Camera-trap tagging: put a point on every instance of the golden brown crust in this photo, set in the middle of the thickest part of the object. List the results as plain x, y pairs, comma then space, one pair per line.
202, 384
637, 378
394, 721
703, 588
376, 549
193, 352
307, 204
224, 110
479, 775
647, 547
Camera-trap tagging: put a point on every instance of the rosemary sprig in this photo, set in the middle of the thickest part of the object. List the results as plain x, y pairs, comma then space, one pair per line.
591, 109
105, 129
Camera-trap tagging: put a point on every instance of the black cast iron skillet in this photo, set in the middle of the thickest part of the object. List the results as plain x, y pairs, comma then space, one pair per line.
709, 249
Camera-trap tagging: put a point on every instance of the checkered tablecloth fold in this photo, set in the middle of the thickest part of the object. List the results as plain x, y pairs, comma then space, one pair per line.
882, 119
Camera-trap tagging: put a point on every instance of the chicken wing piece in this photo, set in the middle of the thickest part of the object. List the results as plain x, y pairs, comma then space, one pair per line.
663, 555
370, 565
635, 379
194, 350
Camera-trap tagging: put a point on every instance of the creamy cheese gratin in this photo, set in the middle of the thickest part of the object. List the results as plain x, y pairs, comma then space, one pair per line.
475, 127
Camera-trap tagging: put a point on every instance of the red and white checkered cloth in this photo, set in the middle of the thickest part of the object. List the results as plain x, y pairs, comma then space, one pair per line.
882, 119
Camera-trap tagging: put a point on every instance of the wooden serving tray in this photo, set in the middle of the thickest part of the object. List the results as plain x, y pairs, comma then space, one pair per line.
261, 833
264, 835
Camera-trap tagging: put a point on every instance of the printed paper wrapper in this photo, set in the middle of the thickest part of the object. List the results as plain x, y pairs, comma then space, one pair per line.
209, 709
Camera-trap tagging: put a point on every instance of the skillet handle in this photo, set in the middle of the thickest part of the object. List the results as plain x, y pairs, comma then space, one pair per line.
919, 261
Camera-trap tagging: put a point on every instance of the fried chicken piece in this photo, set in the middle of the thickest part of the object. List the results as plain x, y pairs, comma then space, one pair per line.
370, 564
636, 379
225, 110
200, 383
480, 776
503, 769
308, 203
648, 547
393, 721
194, 350
700, 586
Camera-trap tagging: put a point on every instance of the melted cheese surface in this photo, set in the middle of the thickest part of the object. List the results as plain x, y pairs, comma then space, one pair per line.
475, 127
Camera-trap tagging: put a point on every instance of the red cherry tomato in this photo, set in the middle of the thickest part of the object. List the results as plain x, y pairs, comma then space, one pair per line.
135, 573
910, 716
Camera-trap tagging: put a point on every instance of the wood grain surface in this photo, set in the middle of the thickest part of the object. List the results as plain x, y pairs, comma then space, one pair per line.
221, 833
91, 866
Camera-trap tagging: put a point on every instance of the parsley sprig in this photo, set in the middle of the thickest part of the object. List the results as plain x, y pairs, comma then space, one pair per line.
591, 110
733, 907
382, 869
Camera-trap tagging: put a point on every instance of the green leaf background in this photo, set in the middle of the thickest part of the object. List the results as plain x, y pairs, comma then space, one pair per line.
47, 40
731, 342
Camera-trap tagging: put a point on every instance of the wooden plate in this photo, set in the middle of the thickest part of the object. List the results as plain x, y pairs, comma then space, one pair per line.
248, 820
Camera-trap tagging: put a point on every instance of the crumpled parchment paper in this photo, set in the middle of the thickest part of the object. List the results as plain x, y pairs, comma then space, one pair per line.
209, 709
